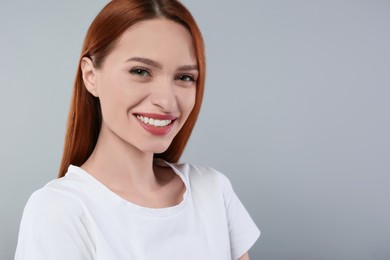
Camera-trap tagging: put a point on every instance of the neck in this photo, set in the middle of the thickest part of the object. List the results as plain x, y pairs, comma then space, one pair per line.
119, 165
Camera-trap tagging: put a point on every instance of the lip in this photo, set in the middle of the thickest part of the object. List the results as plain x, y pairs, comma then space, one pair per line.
154, 130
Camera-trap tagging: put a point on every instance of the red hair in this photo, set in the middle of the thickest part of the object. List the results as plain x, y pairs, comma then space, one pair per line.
85, 118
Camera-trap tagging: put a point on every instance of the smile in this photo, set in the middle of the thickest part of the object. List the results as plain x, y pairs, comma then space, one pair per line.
156, 124
153, 121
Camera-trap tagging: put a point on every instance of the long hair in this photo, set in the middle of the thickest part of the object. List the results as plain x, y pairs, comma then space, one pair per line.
85, 117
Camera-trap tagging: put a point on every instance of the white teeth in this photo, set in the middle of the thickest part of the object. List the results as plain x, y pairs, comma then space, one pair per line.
154, 122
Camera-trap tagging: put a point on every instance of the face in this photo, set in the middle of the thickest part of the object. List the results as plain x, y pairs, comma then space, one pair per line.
146, 85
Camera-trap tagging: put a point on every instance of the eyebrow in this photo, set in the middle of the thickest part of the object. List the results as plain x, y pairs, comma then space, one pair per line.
188, 67
159, 66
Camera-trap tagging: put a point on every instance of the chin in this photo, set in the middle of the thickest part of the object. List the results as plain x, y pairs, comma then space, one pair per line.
157, 148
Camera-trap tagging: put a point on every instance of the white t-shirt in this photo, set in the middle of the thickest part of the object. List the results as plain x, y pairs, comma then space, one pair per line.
76, 217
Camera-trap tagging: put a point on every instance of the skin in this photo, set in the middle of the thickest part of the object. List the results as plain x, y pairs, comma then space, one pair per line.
123, 157
244, 257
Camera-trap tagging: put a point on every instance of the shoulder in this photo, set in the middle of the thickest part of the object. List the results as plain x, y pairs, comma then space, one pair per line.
66, 192
48, 203
196, 171
57, 199
54, 225
204, 176
51, 213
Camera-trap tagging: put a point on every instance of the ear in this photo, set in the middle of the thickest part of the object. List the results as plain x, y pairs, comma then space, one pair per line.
89, 76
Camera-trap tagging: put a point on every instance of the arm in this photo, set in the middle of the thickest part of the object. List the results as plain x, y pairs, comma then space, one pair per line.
244, 257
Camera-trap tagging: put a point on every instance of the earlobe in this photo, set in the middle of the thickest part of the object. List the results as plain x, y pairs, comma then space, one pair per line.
89, 75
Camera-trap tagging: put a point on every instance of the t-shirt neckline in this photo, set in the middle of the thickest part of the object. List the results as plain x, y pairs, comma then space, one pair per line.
134, 208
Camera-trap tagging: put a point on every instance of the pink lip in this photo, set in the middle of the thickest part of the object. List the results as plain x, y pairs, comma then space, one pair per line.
156, 130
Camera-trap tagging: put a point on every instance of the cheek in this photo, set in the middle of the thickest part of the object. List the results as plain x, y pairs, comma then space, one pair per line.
117, 94
189, 100
113, 99
109, 99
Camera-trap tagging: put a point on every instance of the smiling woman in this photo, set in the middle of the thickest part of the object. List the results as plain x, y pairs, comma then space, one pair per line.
153, 83
121, 193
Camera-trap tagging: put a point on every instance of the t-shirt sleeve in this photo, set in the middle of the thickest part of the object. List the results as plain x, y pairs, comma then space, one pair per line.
243, 231
54, 226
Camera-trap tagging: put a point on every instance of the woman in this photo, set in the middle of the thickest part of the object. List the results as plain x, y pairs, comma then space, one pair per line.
121, 193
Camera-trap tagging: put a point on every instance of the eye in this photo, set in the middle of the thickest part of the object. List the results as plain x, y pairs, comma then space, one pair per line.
186, 78
140, 72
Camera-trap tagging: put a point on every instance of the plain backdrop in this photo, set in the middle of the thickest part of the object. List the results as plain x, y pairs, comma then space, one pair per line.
296, 113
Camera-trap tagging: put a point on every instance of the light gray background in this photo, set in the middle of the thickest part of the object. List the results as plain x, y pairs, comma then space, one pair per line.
296, 113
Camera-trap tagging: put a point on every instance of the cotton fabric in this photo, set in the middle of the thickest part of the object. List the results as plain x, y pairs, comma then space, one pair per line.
77, 217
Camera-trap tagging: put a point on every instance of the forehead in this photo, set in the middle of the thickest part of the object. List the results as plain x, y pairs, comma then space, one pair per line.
159, 39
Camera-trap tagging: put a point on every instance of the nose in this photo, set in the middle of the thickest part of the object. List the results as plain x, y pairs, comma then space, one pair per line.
163, 96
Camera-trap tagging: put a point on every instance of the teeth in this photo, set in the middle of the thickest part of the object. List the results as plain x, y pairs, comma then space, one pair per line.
154, 122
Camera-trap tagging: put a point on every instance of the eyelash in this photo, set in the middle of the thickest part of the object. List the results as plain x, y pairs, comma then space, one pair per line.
142, 72
189, 78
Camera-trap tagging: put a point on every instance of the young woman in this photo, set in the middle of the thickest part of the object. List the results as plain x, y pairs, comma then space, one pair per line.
121, 193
